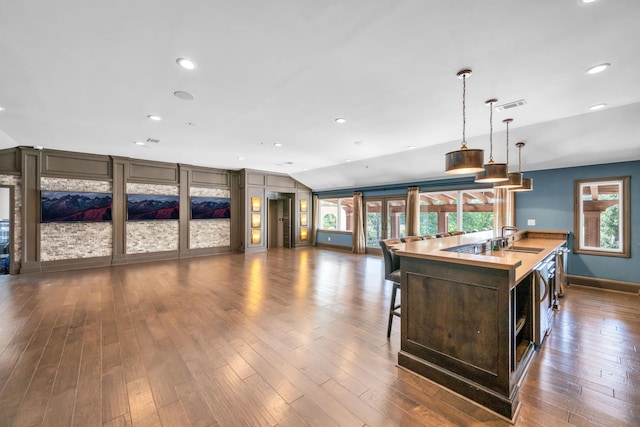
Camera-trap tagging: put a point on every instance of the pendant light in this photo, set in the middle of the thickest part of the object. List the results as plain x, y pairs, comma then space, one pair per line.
527, 183
515, 178
493, 172
465, 160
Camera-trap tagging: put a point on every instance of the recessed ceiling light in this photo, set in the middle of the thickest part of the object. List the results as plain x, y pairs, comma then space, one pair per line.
347, 160
597, 107
277, 144
411, 147
340, 120
154, 117
598, 68
184, 95
191, 124
586, 1
240, 158
140, 143
2, 108
186, 63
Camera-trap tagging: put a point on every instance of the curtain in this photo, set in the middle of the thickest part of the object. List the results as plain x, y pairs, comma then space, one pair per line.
359, 243
503, 208
413, 212
315, 221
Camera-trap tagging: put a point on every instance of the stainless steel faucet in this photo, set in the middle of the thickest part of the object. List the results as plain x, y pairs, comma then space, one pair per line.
503, 239
508, 227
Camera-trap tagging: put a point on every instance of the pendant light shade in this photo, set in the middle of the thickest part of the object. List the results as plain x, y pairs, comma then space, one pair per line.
464, 160
514, 178
492, 171
527, 183
514, 181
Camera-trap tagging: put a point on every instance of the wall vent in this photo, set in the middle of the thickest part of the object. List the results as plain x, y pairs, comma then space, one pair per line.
510, 105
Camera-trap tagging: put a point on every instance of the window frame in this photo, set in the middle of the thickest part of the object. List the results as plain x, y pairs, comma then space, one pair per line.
625, 222
459, 202
338, 216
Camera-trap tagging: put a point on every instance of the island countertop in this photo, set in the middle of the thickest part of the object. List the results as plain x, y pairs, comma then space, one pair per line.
522, 262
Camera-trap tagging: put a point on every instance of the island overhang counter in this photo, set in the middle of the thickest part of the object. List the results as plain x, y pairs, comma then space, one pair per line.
467, 320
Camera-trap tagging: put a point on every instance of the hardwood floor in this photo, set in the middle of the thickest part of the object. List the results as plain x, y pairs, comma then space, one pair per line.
286, 338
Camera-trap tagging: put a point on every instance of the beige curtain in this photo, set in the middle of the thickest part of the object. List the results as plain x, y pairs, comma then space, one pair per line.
413, 212
359, 242
503, 208
315, 221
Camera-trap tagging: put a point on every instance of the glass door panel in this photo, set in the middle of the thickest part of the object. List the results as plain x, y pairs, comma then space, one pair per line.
385, 219
396, 219
373, 226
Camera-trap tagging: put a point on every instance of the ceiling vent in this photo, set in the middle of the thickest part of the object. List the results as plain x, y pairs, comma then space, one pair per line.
510, 105
153, 140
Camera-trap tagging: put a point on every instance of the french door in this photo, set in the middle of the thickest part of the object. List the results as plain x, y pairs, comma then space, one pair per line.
384, 219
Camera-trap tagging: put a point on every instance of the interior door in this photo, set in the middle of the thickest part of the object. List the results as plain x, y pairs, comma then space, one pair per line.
385, 219
280, 229
6, 216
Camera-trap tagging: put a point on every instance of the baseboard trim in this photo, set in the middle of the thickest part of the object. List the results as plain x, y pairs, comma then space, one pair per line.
611, 285
81, 263
75, 264
334, 247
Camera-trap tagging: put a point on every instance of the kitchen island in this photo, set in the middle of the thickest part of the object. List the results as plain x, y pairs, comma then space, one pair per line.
468, 315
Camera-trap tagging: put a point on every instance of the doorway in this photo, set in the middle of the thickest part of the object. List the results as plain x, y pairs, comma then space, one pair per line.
279, 227
385, 219
6, 233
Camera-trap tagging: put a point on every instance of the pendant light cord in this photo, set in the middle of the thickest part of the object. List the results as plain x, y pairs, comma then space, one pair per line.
491, 132
464, 108
520, 145
520, 159
507, 121
490, 104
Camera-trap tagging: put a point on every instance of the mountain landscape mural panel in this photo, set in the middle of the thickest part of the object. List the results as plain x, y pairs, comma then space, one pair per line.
67, 206
210, 207
152, 206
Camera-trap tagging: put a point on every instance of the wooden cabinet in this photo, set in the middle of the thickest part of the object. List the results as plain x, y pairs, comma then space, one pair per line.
459, 329
469, 320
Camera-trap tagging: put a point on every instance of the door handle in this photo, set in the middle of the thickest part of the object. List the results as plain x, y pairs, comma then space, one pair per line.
546, 285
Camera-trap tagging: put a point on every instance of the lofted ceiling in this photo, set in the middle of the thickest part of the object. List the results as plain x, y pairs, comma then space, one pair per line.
83, 75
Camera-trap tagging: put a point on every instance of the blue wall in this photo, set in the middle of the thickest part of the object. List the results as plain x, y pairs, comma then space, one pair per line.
335, 238
551, 205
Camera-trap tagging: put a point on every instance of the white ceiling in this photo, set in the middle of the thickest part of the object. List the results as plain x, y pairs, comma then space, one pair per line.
82, 75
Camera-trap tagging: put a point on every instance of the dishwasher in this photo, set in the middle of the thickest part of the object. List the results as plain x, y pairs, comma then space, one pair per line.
543, 298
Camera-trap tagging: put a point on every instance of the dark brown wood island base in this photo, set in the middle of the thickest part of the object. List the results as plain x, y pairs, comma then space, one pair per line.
471, 321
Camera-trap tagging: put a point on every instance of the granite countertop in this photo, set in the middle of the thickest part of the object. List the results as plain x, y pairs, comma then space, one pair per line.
522, 262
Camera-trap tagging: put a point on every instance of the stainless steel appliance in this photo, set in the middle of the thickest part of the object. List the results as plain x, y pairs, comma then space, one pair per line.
543, 298
561, 275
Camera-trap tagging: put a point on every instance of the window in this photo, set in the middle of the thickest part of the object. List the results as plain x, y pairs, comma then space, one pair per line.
467, 210
336, 214
602, 217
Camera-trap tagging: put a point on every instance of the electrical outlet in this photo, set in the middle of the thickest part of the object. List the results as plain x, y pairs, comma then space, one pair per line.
531, 222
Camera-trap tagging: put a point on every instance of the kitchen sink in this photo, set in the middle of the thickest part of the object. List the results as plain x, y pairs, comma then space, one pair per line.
525, 249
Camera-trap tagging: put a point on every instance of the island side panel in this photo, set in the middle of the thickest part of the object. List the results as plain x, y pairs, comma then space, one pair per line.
456, 328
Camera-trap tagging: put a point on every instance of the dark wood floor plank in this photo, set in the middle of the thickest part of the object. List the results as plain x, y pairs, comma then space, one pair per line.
172, 415
286, 338
19, 380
